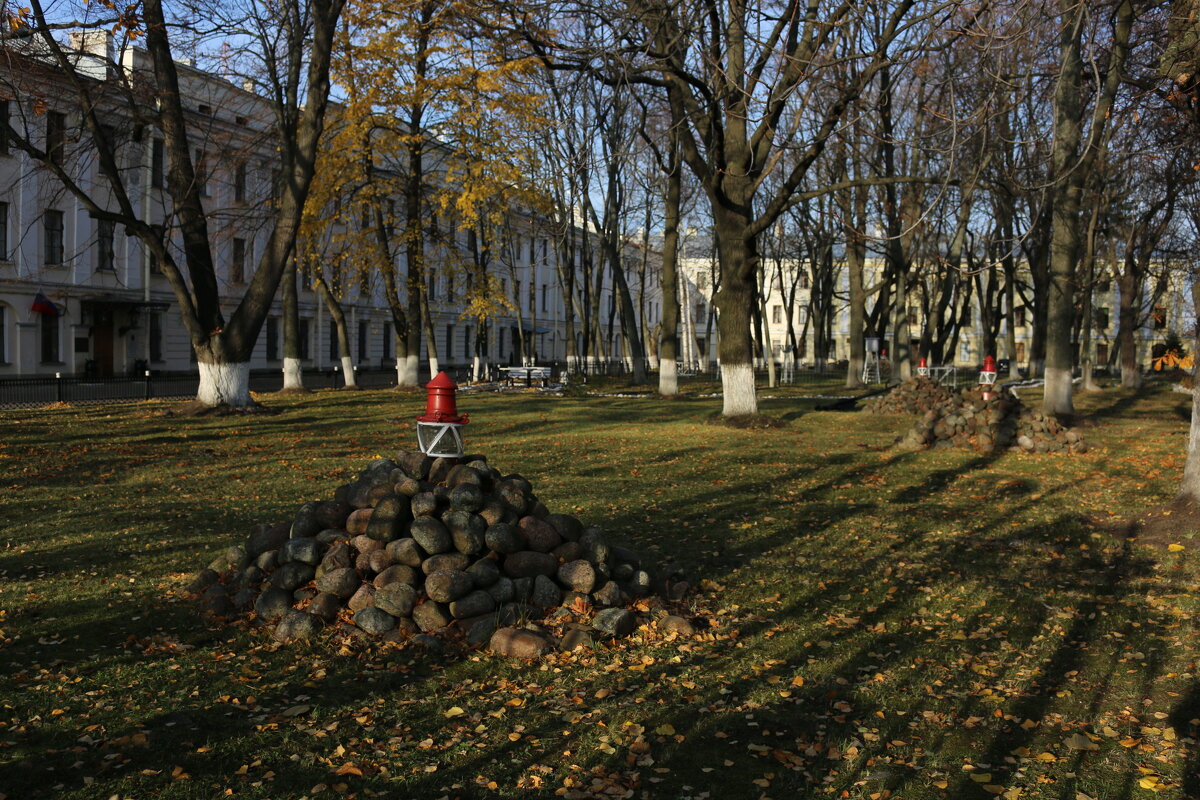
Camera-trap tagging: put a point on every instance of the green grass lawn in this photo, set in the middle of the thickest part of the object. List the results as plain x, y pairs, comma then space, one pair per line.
874, 623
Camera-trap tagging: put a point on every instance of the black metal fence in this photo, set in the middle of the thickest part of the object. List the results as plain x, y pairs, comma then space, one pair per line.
37, 391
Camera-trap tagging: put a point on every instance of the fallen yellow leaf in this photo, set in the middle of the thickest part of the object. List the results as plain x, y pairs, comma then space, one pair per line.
1175, 548
454, 711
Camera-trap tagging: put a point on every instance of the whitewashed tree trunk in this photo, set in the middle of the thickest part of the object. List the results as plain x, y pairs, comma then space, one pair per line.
433, 367
225, 384
348, 374
1059, 390
293, 377
668, 379
406, 370
737, 381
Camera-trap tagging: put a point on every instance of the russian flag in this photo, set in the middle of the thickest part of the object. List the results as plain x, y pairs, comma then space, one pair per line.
43, 305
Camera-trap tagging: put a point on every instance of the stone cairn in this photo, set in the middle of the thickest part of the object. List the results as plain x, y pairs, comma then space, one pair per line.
965, 420
417, 547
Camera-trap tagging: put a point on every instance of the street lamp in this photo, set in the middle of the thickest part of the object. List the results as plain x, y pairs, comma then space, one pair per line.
439, 429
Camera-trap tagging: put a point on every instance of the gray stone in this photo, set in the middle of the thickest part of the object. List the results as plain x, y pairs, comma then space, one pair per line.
337, 557
528, 563
431, 644
537, 509
326, 606
365, 544
415, 464
452, 561
676, 625
518, 643
546, 593
406, 551
493, 511
266, 537
623, 572
297, 626
464, 473
447, 585
502, 591
513, 497
522, 589
244, 598
332, 513
441, 468
250, 576
341, 582
484, 572
215, 590
423, 504
578, 575
367, 493
431, 616
503, 538
203, 580
267, 561
374, 620
569, 551
306, 551
357, 522
466, 497
625, 555
431, 535
273, 604
332, 535
472, 605
306, 523
408, 487
568, 527
519, 481
639, 584
304, 594
609, 594
576, 638
378, 561
480, 630
390, 519
363, 597
539, 534
292, 575
396, 599
618, 622
397, 573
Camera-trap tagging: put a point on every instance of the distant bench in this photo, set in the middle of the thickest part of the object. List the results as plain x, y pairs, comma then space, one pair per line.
526, 374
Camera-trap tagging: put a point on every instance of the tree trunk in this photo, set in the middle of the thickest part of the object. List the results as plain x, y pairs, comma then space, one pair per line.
1189, 488
338, 315
293, 373
668, 382
735, 301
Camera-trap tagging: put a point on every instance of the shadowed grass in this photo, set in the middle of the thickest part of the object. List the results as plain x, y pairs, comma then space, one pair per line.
930, 625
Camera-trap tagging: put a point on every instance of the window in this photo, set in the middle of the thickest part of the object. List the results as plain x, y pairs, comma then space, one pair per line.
449, 342
966, 316
156, 335
158, 164
239, 183
1102, 319
804, 280
49, 330
3, 231
1020, 352
104, 245
517, 292
467, 343
237, 264
544, 290
913, 311
702, 281
272, 338
302, 334
4, 127
698, 316
56, 137
1019, 317
450, 286
333, 343
1101, 352
1103, 286
386, 343
532, 297
52, 237
965, 351
362, 341
1159, 317
777, 315
3, 334
205, 110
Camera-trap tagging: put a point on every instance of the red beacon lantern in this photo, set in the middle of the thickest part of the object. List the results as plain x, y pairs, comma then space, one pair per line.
987, 378
439, 429
922, 367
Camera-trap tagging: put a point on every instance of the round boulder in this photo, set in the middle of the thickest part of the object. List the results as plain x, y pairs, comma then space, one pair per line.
578, 575
340, 582
448, 585
431, 535
375, 621
297, 626
396, 599
528, 563
540, 534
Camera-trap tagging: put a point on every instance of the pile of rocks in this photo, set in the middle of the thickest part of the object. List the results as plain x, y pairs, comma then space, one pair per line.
417, 546
913, 396
1003, 422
